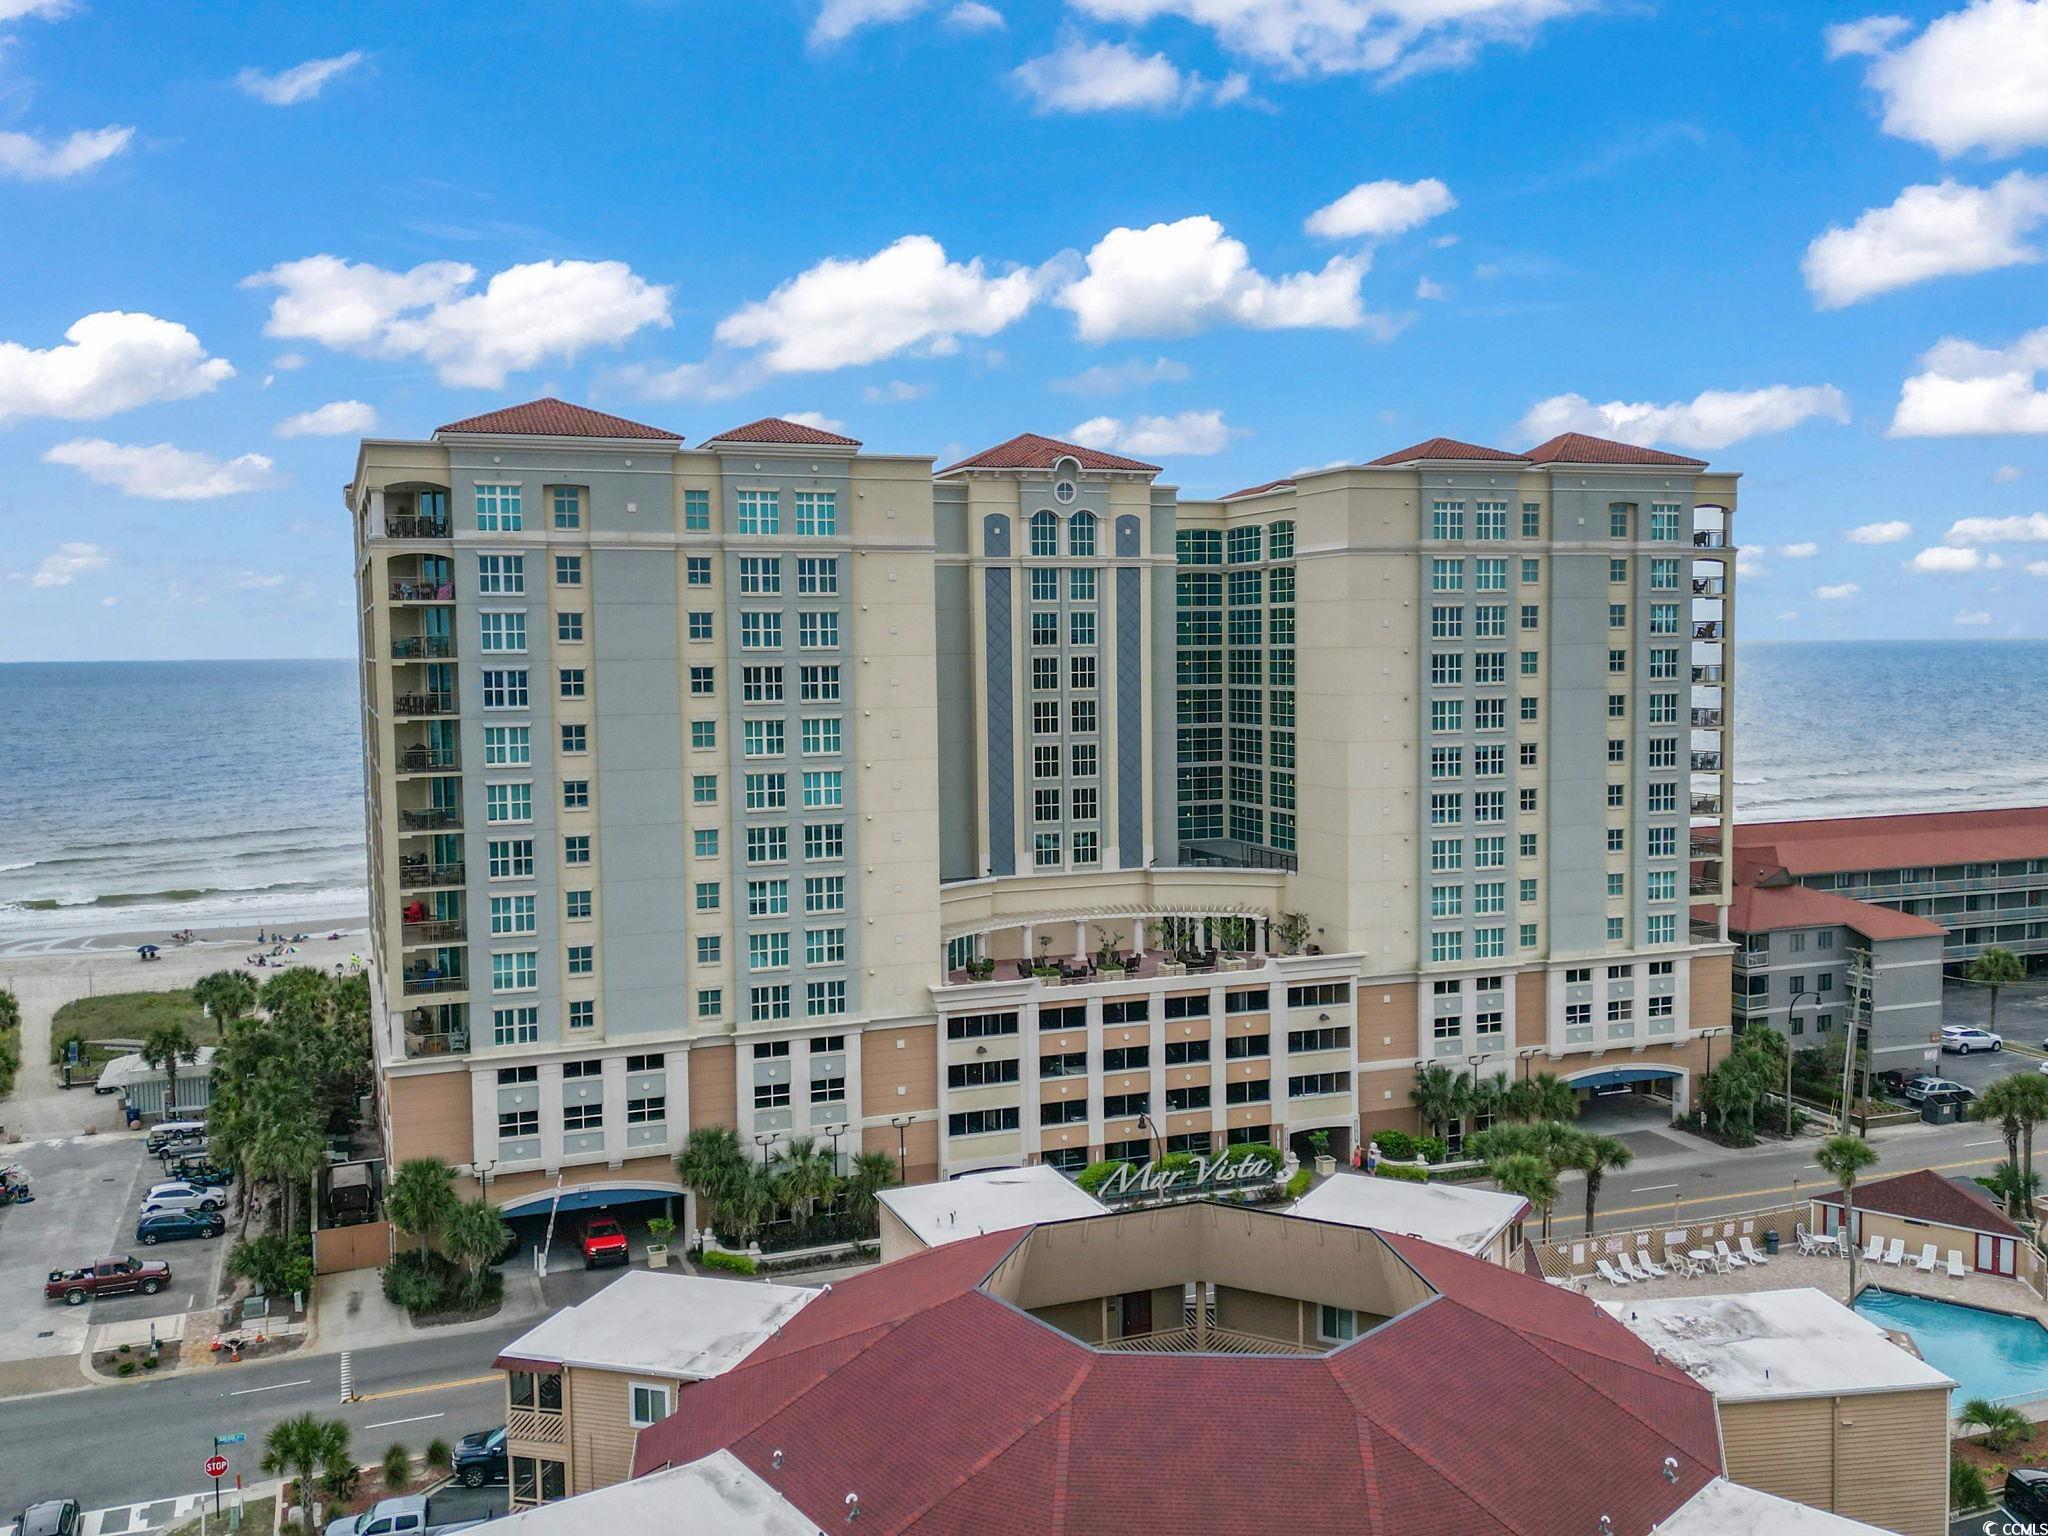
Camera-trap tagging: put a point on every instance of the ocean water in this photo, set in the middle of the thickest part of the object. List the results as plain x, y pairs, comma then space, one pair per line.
142, 794
136, 795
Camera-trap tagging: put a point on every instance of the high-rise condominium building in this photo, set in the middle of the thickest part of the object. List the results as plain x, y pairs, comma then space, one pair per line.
1023, 811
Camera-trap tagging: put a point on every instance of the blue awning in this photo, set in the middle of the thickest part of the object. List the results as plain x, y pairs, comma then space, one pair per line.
584, 1199
1616, 1077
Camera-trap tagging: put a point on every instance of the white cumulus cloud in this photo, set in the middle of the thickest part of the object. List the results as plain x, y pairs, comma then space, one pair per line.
161, 472
1114, 378
1945, 560
1880, 533
2037, 567
536, 312
1082, 76
1180, 278
1976, 78
1374, 210
817, 419
2006, 474
1964, 389
1837, 592
1871, 35
838, 20
973, 16
1805, 551
1187, 432
1971, 616
27, 158
67, 562
338, 418
110, 361
302, 82
1927, 232
1714, 418
895, 392
845, 312
2028, 528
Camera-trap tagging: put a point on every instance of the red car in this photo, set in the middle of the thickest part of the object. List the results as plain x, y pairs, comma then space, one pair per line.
109, 1277
604, 1242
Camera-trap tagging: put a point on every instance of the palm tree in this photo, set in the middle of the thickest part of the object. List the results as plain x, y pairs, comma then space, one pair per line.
2000, 1101
298, 997
2030, 1098
299, 1448
1996, 968
163, 1048
1442, 1098
1846, 1157
1545, 1096
747, 1200
2003, 1428
1527, 1175
472, 1235
871, 1173
806, 1175
288, 1145
227, 996
710, 1163
421, 1196
1595, 1156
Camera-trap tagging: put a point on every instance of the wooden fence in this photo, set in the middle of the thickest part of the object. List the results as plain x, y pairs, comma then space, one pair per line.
365, 1246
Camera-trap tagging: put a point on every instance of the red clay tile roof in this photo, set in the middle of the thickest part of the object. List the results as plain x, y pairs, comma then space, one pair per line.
1501, 1407
1028, 450
1767, 908
1447, 448
1850, 843
1255, 490
556, 418
1925, 1195
1578, 448
773, 429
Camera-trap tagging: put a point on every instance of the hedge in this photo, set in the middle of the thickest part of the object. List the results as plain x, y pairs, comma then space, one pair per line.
736, 1263
1298, 1185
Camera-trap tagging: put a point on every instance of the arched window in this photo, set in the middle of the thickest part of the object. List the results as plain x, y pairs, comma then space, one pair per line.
1045, 533
1081, 534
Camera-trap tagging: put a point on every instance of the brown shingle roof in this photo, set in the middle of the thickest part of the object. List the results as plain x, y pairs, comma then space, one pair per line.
1447, 448
1765, 909
773, 429
549, 417
1578, 448
1255, 490
1925, 1195
1842, 844
1028, 450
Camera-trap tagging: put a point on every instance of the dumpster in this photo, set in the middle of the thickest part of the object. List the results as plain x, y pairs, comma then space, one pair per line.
1938, 1111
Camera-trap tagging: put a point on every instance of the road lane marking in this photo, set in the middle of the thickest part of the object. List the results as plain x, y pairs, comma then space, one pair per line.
1649, 1188
1783, 1189
416, 1419
274, 1386
1994, 1142
431, 1386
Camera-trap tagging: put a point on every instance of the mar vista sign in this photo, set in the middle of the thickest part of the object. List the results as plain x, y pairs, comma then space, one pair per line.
1133, 1181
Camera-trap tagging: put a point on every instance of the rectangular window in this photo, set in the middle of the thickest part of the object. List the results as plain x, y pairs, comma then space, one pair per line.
575, 794
760, 631
760, 576
571, 683
507, 746
505, 690
760, 512
512, 859
581, 959
817, 631
500, 575
824, 840
1446, 575
817, 514
517, 971
817, 576
575, 738
568, 570
508, 802
697, 570
696, 511
497, 509
1447, 520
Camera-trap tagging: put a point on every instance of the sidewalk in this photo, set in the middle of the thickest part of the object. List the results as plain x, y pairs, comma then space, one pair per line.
350, 1312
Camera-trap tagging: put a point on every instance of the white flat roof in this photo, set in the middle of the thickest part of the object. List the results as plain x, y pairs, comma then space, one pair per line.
652, 1323
716, 1496
1723, 1508
1766, 1344
988, 1202
1452, 1215
127, 1071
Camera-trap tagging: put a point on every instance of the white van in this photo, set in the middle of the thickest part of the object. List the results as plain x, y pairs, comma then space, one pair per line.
163, 1134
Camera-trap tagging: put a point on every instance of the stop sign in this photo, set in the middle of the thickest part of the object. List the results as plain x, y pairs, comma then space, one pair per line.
216, 1466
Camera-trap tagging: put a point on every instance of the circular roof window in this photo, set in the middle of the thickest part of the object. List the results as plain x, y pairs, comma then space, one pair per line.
1064, 491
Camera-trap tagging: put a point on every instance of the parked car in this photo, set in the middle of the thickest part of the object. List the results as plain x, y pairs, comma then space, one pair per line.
386, 1517
210, 1196
52, 1517
1921, 1089
170, 1226
171, 1131
1961, 1039
191, 1197
604, 1242
197, 1168
2026, 1493
109, 1277
1893, 1080
480, 1457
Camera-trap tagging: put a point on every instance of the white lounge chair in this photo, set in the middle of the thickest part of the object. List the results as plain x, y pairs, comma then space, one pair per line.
1749, 1252
1874, 1253
1627, 1266
1803, 1238
1609, 1273
1896, 1253
1840, 1243
1654, 1271
1731, 1259
1927, 1260
1955, 1264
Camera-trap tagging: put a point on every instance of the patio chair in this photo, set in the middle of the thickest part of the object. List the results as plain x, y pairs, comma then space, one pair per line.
1874, 1252
1609, 1273
1627, 1266
1803, 1238
1925, 1263
1955, 1264
1654, 1271
1749, 1252
1727, 1257
1896, 1253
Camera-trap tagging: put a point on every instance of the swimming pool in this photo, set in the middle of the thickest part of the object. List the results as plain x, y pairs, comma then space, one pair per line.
1990, 1354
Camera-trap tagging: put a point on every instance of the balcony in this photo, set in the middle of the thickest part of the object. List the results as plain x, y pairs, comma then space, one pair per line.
422, 592
435, 931
1750, 1007
1709, 586
422, 647
1704, 932
1706, 719
531, 1428
409, 526
1706, 805
1704, 886
418, 874
440, 1029
429, 760
425, 981
1706, 848
437, 819
1711, 675
1706, 762
415, 704
1205, 1338
1710, 538
1707, 629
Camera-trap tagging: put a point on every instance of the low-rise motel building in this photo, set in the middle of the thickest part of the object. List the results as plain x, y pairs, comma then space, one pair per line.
1288, 1374
1020, 810
1923, 1209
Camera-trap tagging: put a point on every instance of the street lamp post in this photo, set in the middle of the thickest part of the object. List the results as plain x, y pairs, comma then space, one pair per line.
1708, 1036
483, 1176
1158, 1146
902, 1124
835, 1132
763, 1141
1527, 1054
1791, 1016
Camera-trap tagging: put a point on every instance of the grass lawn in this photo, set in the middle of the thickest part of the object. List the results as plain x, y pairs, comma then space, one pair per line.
128, 1016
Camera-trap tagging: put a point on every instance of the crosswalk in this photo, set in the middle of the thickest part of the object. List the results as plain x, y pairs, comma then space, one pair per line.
136, 1519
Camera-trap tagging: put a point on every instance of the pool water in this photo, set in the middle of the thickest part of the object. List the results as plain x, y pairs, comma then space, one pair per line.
1990, 1354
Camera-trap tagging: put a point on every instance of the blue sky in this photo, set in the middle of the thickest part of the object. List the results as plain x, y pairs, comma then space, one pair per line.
1237, 237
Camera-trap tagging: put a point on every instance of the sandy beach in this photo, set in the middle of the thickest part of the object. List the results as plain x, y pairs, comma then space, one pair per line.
44, 973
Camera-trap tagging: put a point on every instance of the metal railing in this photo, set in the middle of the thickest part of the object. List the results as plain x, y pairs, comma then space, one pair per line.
435, 931
1706, 719
1709, 586
1710, 674
429, 760
1709, 538
423, 704
1705, 887
421, 984
436, 820
414, 876
1706, 762
1218, 1341
422, 592
422, 647
1706, 805
416, 528
440, 1042
1707, 629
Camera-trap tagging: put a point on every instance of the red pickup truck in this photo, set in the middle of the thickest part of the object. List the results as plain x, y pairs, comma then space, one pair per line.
604, 1242
109, 1277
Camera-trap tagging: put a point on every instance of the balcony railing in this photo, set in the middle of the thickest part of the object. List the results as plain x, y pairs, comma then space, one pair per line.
1249, 858
1707, 629
416, 528
429, 760
1217, 1341
1706, 805
1709, 538
1710, 675
1702, 887
436, 931
423, 704
422, 592
422, 647
438, 819
422, 874
1703, 932
1706, 762
1709, 586
1706, 719
535, 1428
425, 983
1710, 849
440, 1042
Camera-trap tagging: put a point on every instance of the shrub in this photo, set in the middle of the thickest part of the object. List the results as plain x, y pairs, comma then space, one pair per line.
1430, 1149
396, 1469
410, 1286
736, 1263
1298, 1185
149, 1364
1403, 1172
127, 1368
1257, 1150
1095, 1175
2003, 1428
440, 1456
1395, 1144
659, 1230
1966, 1490
1177, 1162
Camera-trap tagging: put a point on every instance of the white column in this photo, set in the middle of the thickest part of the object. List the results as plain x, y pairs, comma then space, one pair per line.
550, 1089
613, 1089
1138, 936
1080, 939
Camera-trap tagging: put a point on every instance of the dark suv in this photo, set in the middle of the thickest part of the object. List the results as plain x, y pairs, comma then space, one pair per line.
2026, 1493
480, 1458
170, 1226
